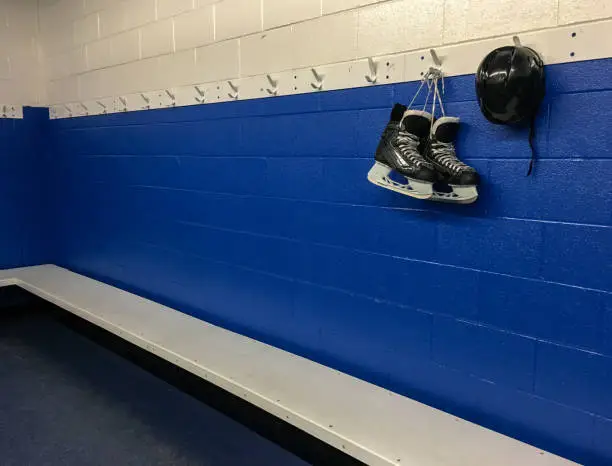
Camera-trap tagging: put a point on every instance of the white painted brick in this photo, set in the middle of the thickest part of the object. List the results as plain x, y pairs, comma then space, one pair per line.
54, 67
455, 20
333, 6
166, 8
64, 64
474, 19
13, 92
89, 84
64, 90
77, 60
111, 20
5, 68
86, 29
235, 18
203, 3
66, 10
110, 82
280, 12
218, 61
58, 42
327, 39
398, 26
177, 69
138, 12
131, 77
268, 52
157, 38
571, 11
92, 6
125, 47
21, 18
99, 54
194, 28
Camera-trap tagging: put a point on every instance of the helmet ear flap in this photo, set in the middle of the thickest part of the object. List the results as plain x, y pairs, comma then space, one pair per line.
510, 84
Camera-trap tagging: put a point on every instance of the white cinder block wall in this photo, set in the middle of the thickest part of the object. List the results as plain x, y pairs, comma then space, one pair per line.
104, 48
20, 82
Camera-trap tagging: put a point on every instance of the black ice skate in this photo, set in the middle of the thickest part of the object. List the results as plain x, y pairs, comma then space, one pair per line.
399, 150
461, 179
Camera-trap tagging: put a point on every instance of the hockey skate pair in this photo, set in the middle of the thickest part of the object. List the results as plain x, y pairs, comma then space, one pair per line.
421, 149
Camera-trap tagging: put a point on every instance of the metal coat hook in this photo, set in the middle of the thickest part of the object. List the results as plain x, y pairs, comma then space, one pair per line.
4, 111
373, 76
101, 104
273, 89
124, 102
146, 99
170, 94
435, 58
319, 77
69, 109
83, 106
516, 40
201, 93
234, 88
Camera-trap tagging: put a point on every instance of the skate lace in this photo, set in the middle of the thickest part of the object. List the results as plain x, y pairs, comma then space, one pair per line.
408, 144
445, 154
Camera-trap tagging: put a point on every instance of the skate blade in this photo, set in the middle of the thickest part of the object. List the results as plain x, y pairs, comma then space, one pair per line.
458, 195
379, 175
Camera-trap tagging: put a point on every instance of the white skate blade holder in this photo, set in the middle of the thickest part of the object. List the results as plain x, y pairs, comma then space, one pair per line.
379, 175
458, 195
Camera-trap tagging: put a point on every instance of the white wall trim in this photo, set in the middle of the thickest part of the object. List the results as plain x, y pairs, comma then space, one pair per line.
579, 42
370, 423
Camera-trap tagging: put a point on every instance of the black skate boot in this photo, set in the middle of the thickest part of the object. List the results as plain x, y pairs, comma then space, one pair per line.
399, 150
462, 180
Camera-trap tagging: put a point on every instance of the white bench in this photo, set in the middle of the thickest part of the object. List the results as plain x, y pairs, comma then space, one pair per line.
370, 423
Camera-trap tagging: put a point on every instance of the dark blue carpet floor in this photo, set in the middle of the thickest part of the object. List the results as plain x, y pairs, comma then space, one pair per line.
64, 400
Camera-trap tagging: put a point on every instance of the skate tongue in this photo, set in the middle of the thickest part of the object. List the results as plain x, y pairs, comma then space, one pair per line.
445, 129
417, 122
398, 112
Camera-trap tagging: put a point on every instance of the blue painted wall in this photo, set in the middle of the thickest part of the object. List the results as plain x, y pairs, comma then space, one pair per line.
257, 216
23, 212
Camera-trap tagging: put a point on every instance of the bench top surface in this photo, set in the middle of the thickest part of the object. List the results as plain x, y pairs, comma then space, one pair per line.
372, 424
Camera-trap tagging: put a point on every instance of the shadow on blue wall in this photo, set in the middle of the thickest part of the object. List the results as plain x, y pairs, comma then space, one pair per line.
257, 216
22, 190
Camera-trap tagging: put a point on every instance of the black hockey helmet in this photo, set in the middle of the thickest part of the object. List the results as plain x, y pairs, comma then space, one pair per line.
510, 84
